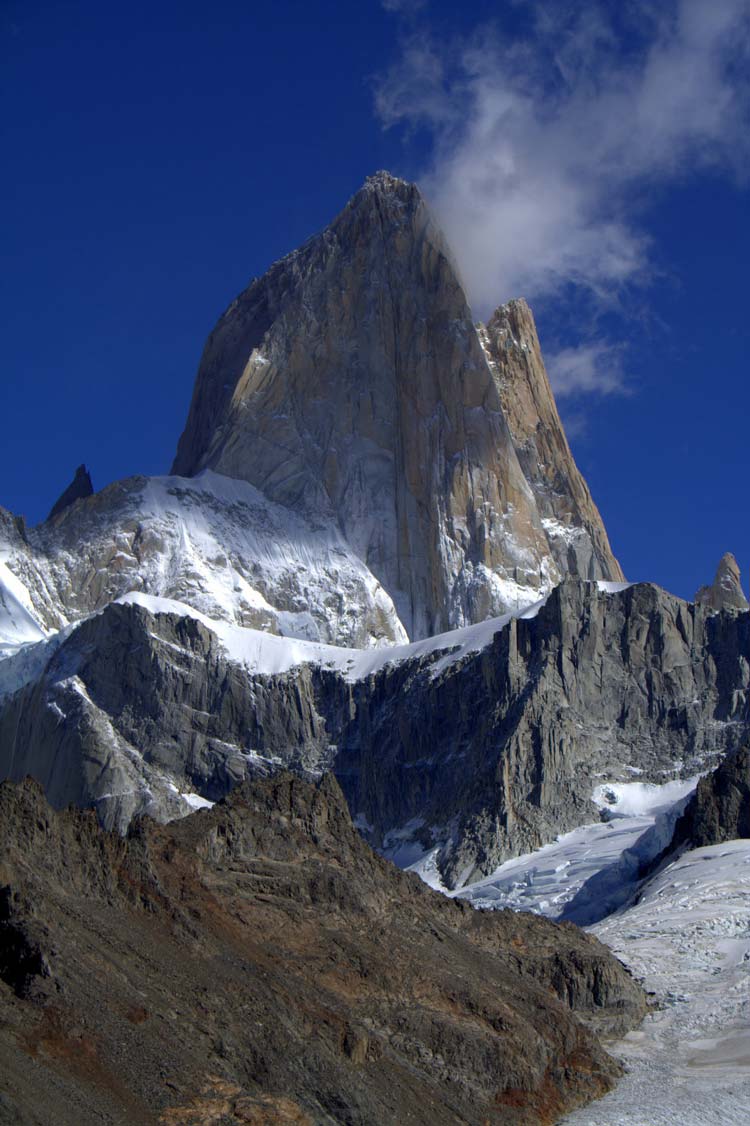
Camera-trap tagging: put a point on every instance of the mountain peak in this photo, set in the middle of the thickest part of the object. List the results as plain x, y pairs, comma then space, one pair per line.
385, 181
397, 200
725, 593
351, 385
78, 488
574, 527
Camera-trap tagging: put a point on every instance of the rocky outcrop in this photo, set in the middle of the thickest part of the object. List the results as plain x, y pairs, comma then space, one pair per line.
478, 750
726, 591
78, 488
571, 520
258, 963
350, 383
720, 808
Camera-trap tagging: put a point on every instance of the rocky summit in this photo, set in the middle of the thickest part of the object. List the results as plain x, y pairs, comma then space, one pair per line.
257, 963
725, 593
78, 488
350, 383
570, 519
362, 464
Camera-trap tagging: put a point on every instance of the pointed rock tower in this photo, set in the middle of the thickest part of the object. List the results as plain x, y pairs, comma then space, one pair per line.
575, 530
78, 488
726, 591
351, 383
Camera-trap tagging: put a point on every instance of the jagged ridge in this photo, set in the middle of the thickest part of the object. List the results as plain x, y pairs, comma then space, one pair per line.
478, 749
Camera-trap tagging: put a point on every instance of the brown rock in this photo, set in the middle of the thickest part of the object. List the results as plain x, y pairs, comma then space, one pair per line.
286, 973
575, 530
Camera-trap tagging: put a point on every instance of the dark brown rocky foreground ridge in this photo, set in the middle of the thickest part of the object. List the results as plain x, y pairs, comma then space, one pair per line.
258, 963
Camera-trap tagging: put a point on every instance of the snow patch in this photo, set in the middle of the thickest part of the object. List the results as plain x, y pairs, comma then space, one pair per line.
568, 533
640, 799
19, 624
267, 655
195, 801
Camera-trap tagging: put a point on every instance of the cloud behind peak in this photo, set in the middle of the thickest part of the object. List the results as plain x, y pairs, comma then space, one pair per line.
544, 147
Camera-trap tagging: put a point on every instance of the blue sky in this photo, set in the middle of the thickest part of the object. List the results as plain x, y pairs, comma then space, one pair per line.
591, 157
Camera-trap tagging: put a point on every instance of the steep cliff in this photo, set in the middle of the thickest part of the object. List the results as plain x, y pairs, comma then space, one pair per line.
350, 382
570, 518
473, 746
720, 807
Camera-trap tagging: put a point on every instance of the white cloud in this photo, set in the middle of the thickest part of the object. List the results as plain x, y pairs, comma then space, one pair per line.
588, 367
404, 7
543, 150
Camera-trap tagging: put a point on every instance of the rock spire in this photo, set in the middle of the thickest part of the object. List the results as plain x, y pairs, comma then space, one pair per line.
350, 383
78, 488
570, 518
725, 593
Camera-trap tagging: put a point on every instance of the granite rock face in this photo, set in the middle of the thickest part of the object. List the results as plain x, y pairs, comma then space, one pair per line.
361, 463
725, 593
350, 383
720, 808
78, 488
570, 518
257, 963
478, 755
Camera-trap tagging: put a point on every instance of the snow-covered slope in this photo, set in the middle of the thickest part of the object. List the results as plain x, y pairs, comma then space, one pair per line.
688, 939
213, 543
685, 934
18, 622
588, 873
262, 653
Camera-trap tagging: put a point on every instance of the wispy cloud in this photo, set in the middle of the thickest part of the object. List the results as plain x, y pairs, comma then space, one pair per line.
405, 7
545, 148
595, 366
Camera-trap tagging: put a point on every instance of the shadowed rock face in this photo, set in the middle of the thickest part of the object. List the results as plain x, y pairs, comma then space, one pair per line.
350, 382
725, 593
482, 757
257, 963
78, 488
720, 808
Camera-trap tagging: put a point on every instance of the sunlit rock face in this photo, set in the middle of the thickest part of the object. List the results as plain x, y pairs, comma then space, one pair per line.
350, 383
575, 531
725, 593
